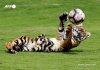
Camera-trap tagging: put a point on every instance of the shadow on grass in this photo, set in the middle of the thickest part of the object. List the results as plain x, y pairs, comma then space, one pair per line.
4, 51
72, 52
67, 52
7, 51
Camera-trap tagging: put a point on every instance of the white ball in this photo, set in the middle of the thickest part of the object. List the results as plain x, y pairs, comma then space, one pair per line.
76, 16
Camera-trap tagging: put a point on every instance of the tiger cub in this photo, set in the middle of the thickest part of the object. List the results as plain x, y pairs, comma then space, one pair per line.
65, 40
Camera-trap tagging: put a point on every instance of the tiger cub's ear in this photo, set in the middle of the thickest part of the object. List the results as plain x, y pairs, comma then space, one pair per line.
88, 34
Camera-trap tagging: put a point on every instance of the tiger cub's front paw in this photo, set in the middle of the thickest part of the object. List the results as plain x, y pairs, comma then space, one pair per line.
63, 17
69, 27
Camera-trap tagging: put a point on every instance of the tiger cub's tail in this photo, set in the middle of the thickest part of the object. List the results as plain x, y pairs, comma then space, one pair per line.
42, 35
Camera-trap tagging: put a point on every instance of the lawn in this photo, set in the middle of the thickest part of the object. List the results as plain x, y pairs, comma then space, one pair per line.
34, 17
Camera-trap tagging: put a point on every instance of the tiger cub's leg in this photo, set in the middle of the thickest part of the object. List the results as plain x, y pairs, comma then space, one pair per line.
63, 18
66, 44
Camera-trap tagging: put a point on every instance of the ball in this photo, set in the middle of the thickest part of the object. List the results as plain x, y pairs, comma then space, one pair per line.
76, 16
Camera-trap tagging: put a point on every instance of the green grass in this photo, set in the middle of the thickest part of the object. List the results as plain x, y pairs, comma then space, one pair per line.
34, 17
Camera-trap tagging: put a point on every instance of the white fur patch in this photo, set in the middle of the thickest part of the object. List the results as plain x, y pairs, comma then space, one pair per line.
31, 45
56, 45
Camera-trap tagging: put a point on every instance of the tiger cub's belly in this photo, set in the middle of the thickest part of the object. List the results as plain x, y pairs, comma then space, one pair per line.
56, 46
29, 46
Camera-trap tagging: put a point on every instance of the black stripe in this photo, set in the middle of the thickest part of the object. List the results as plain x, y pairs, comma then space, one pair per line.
41, 47
16, 42
43, 34
25, 38
39, 36
36, 39
28, 39
61, 30
21, 41
49, 48
41, 39
38, 49
32, 40
14, 48
9, 50
33, 49
62, 25
46, 46
21, 48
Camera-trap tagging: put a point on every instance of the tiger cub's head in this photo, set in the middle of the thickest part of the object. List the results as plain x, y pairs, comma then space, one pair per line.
79, 33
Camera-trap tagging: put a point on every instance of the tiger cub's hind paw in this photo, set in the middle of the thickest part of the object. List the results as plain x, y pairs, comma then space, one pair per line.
69, 27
